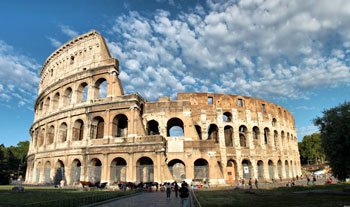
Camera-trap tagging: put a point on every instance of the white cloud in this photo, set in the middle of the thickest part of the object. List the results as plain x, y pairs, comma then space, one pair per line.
18, 75
55, 43
65, 29
265, 49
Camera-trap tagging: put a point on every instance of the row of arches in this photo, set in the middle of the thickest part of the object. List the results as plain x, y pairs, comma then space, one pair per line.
70, 95
119, 129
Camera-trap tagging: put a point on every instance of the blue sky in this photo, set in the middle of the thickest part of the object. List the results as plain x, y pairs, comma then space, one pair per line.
293, 53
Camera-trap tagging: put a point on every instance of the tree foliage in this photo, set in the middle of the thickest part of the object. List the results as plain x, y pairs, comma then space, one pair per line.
311, 149
12, 161
335, 134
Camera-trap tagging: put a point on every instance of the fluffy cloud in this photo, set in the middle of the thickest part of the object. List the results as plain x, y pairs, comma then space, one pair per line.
68, 31
267, 49
18, 76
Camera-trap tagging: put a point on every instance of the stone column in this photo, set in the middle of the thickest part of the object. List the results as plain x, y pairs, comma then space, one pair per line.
105, 174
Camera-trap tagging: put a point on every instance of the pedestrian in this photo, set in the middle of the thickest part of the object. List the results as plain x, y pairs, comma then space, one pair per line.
168, 190
250, 184
314, 180
176, 188
256, 183
308, 180
184, 193
243, 183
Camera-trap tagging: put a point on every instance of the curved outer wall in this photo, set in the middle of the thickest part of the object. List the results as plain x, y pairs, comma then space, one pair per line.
84, 131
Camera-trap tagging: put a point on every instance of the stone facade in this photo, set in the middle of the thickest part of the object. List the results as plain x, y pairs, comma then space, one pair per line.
85, 130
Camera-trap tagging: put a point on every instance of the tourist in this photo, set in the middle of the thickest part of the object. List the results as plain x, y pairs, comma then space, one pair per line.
308, 180
239, 184
184, 193
243, 183
256, 183
314, 180
250, 184
176, 188
168, 190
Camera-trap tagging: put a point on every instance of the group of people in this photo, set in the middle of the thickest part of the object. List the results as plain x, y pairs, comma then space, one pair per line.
242, 183
183, 191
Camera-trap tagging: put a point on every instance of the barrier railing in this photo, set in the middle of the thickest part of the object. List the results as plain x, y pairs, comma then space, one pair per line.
193, 202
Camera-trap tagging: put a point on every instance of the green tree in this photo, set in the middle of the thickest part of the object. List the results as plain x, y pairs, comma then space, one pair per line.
334, 127
311, 149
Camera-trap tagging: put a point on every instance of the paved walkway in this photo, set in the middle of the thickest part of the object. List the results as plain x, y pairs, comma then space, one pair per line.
146, 199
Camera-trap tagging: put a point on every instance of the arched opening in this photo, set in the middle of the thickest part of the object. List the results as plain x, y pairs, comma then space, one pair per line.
279, 168
55, 101
37, 175
118, 170
231, 169
287, 169
266, 135
260, 170
82, 92
100, 88
275, 138
283, 138
63, 132
242, 136
177, 169
75, 172
228, 131
144, 170
152, 127
47, 177
274, 121
95, 170
97, 127
59, 173
199, 131
78, 130
41, 137
291, 169
175, 128
201, 169
247, 168
271, 170
50, 134
227, 117
213, 133
67, 98
120, 126
47, 105
256, 133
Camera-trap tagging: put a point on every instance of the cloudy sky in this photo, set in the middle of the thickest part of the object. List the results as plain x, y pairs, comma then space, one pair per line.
293, 53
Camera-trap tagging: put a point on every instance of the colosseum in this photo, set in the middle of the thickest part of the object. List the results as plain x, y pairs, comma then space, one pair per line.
86, 129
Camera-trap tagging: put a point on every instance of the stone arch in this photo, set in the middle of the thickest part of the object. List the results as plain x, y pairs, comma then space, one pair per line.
152, 127
59, 172
82, 92
275, 138
274, 122
78, 130
213, 133
67, 96
62, 137
95, 169
279, 168
231, 169
175, 127
100, 88
247, 169
56, 101
242, 136
41, 137
97, 127
120, 126
201, 169
47, 104
260, 165
75, 172
287, 168
266, 135
256, 132
228, 131
47, 171
118, 170
227, 117
271, 170
199, 131
283, 137
50, 134
291, 169
37, 172
145, 170
177, 169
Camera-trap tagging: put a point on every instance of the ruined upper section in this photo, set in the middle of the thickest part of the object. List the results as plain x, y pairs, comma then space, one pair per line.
82, 53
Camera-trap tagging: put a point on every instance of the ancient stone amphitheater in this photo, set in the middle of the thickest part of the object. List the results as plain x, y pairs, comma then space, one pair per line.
85, 128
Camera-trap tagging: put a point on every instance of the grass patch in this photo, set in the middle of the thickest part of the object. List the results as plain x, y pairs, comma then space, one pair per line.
274, 197
59, 197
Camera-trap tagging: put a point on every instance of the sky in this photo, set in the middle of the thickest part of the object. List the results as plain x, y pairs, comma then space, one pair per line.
293, 53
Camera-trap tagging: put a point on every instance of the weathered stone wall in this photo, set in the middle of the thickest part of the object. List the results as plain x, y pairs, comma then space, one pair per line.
79, 135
